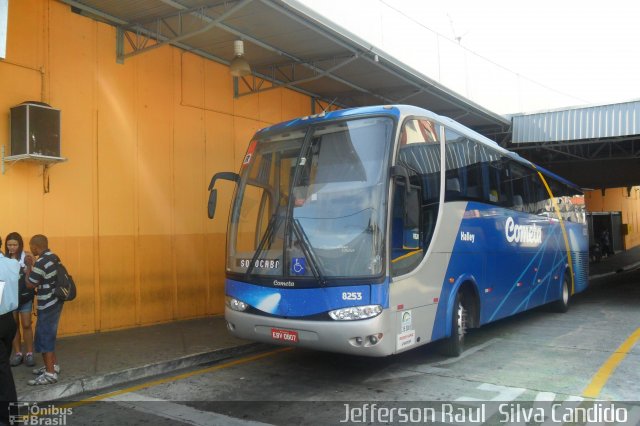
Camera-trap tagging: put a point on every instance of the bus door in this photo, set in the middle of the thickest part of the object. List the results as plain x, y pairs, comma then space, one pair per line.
416, 197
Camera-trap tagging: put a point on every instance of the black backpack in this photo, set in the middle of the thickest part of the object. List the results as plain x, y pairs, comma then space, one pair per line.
25, 294
65, 289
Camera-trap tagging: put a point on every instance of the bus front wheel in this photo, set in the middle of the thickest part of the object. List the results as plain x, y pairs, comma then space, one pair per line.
454, 344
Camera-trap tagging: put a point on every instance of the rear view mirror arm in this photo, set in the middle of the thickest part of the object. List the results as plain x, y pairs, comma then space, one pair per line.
213, 193
234, 177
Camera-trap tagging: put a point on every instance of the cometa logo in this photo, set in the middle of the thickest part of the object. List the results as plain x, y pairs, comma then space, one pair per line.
524, 234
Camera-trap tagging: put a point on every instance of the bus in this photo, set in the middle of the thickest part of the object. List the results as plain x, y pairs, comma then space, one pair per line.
375, 230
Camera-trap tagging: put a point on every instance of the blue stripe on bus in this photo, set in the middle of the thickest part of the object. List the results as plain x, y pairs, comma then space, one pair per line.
507, 279
288, 302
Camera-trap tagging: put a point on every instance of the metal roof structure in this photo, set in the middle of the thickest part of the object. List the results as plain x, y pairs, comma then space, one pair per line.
595, 146
572, 124
287, 45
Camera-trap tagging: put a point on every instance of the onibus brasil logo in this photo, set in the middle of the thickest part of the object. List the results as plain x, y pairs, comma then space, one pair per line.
30, 413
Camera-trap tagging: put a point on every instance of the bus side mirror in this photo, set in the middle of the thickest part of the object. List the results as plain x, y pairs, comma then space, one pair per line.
211, 206
411, 199
399, 171
213, 193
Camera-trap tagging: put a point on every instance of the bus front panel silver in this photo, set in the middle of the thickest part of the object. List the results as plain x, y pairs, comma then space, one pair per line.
334, 336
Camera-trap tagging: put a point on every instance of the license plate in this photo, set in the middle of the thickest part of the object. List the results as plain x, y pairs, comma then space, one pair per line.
284, 335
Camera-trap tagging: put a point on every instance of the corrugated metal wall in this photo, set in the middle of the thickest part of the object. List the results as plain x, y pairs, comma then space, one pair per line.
580, 123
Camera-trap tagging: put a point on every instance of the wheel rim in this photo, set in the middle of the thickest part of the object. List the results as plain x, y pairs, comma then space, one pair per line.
565, 293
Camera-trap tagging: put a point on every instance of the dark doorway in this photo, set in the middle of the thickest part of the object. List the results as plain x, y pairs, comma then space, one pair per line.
602, 223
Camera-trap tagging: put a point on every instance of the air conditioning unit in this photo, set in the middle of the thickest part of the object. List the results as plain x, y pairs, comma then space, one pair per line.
35, 130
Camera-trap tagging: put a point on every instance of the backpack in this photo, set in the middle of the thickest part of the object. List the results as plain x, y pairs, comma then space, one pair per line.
65, 289
25, 294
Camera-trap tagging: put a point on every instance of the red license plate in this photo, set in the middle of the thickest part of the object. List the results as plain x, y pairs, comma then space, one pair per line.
284, 335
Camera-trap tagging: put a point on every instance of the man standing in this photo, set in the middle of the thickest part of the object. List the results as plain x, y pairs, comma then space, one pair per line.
9, 274
43, 277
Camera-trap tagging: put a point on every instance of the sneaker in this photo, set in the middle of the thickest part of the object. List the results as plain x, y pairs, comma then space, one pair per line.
43, 369
44, 379
16, 359
28, 360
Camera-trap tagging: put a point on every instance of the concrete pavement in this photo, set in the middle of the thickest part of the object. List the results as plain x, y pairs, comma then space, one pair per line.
97, 361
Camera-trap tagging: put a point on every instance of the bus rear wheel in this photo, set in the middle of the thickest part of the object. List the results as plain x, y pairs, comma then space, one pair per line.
453, 345
562, 305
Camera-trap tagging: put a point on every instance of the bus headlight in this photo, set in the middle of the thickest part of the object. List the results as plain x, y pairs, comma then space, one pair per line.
235, 304
356, 313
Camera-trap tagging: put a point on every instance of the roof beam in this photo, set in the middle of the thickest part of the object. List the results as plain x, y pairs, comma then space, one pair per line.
121, 24
568, 154
409, 96
95, 12
178, 21
271, 48
521, 146
293, 83
302, 62
211, 23
375, 60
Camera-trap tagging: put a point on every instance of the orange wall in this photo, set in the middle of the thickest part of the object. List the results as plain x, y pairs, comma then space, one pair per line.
127, 211
618, 200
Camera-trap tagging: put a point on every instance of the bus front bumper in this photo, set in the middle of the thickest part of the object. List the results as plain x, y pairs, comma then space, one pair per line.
369, 337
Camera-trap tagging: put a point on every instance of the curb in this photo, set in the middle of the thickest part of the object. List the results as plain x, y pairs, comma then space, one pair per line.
94, 383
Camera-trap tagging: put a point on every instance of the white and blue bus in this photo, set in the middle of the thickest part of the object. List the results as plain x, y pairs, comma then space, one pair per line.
375, 230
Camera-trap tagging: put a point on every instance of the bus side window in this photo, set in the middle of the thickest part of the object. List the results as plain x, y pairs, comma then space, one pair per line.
468, 174
494, 174
539, 195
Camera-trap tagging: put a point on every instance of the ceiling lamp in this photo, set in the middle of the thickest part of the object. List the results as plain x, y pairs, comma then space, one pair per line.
239, 65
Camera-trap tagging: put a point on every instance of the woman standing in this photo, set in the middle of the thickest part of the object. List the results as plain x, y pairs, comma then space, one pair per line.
15, 250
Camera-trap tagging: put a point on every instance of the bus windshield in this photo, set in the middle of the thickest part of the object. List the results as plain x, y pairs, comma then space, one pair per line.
312, 202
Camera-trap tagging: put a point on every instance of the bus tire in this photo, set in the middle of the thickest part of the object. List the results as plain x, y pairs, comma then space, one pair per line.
453, 345
562, 305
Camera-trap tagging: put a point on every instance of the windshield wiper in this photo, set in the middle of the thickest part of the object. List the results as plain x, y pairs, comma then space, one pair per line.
308, 251
273, 225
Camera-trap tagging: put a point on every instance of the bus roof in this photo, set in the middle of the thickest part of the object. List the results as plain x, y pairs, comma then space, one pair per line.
400, 112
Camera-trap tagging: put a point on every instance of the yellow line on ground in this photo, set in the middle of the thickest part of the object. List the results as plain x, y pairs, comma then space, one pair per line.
602, 376
175, 378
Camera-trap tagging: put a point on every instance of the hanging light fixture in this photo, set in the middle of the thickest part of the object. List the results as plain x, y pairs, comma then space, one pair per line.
239, 65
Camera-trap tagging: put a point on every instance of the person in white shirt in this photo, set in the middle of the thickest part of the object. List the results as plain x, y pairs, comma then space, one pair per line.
14, 245
9, 275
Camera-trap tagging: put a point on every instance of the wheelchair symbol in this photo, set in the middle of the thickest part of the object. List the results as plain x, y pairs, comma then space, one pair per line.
298, 266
